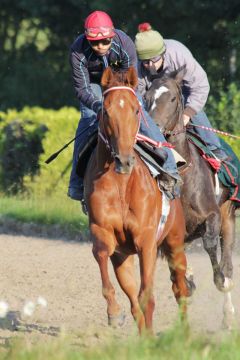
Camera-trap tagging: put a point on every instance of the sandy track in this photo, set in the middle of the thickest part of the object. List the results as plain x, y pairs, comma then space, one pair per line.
67, 276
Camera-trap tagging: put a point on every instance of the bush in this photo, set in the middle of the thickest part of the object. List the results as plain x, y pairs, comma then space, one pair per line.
21, 146
34, 175
224, 114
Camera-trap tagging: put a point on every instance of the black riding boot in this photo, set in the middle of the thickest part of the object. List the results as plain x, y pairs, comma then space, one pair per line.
169, 182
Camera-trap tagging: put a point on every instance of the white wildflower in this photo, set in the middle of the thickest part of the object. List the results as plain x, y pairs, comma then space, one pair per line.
3, 309
29, 308
42, 301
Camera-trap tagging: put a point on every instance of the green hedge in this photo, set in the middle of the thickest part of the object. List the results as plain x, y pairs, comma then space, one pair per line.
224, 114
61, 126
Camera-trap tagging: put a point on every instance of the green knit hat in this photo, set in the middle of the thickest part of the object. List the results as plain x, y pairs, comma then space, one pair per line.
149, 43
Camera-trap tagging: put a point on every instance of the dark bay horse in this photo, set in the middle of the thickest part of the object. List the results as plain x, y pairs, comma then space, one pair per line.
125, 207
206, 215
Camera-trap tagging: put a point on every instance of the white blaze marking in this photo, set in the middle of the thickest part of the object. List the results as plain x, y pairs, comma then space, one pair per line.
158, 93
121, 103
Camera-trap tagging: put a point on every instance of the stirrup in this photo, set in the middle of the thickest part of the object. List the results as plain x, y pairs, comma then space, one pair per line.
170, 184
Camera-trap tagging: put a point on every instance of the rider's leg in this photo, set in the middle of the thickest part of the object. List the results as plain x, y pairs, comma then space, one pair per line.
152, 131
210, 138
85, 128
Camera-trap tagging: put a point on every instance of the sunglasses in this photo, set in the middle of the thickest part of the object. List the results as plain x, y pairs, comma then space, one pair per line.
102, 41
99, 31
153, 60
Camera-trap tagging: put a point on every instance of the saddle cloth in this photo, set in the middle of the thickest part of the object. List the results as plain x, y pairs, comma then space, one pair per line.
228, 172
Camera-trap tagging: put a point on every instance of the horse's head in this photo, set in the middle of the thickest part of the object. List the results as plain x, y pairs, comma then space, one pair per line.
164, 99
120, 121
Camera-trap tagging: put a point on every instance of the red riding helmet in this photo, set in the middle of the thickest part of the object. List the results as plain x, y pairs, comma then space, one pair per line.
98, 25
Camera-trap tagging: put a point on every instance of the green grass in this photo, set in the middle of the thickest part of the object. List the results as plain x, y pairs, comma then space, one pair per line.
172, 345
46, 211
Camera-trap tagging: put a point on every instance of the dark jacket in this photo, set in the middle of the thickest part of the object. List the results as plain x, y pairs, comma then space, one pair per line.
87, 67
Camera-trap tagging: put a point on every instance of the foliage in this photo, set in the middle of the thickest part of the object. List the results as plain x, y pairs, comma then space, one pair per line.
61, 125
224, 113
172, 345
35, 41
43, 179
20, 147
45, 211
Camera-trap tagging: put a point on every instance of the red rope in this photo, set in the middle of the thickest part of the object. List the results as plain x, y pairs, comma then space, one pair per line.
216, 131
157, 144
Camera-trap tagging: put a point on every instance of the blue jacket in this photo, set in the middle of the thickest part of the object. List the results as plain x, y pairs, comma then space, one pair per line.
87, 66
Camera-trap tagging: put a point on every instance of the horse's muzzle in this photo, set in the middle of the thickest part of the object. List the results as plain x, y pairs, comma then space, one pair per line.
124, 164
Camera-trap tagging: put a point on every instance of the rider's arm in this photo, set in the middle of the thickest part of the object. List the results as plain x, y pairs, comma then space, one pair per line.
195, 81
81, 80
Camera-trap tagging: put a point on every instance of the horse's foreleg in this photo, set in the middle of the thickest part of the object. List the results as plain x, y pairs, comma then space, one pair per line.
227, 242
124, 270
101, 251
147, 260
174, 250
210, 242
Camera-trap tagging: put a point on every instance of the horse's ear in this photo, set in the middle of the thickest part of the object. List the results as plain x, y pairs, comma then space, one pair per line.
178, 75
132, 78
106, 77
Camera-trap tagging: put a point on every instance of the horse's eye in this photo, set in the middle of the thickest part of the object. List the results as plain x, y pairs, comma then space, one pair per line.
173, 99
137, 112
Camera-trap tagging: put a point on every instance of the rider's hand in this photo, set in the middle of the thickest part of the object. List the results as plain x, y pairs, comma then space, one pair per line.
186, 119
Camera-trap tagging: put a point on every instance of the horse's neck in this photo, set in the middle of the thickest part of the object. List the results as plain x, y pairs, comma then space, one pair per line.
103, 155
179, 140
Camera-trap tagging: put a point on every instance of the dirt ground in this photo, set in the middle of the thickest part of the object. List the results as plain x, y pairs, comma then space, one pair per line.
66, 275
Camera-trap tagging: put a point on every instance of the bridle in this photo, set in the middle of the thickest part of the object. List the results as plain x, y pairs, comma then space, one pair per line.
179, 111
180, 130
103, 135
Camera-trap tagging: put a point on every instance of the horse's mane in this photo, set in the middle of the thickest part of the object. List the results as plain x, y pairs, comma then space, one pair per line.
119, 78
165, 75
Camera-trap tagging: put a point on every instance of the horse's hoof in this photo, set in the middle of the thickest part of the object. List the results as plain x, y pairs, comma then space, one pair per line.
116, 320
228, 285
190, 285
219, 280
223, 284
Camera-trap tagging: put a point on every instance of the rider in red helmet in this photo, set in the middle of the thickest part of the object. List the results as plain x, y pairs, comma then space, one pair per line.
100, 46
98, 25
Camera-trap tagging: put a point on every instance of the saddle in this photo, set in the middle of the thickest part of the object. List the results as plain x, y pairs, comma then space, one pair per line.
228, 171
154, 160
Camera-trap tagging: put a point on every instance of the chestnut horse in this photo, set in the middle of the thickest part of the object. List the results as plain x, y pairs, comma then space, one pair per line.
125, 207
206, 215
